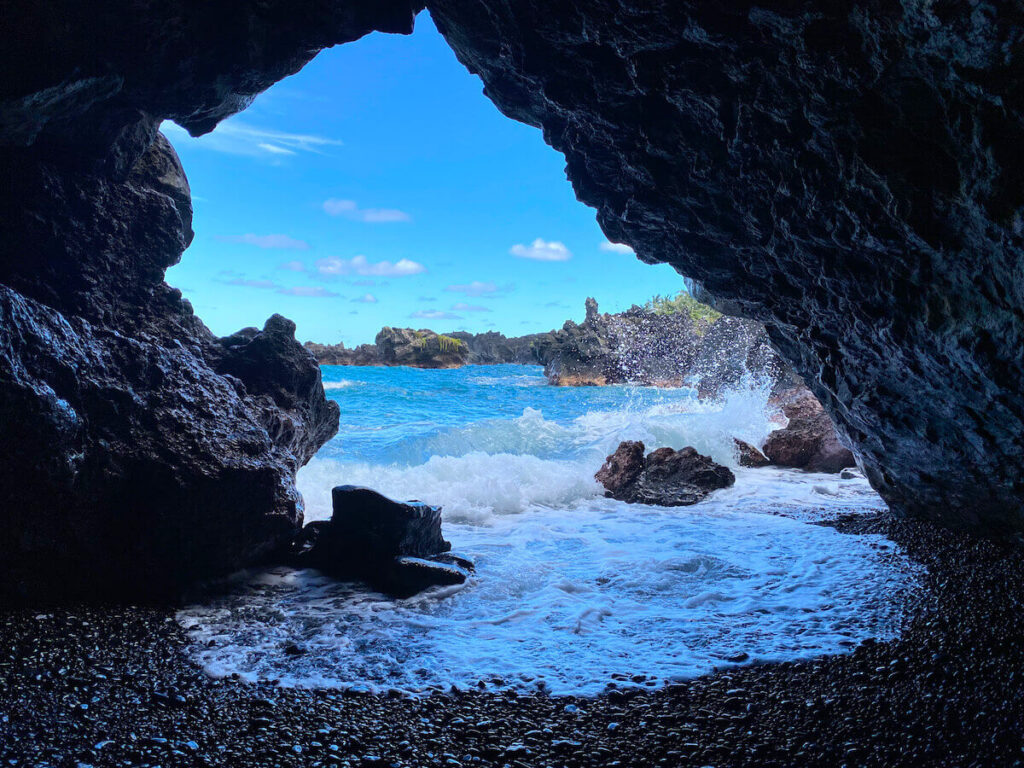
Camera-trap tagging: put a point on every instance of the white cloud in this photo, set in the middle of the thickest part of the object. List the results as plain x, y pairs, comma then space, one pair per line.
293, 266
367, 298
350, 210
476, 288
434, 314
622, 248
244, 282
542, 250
464, 307
334, 266
236, 137
308, 291
266, 241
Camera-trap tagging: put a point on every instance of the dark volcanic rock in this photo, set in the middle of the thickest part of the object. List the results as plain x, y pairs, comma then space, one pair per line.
665, 477
809, 440
396, 547
339, 354
139, 454
749, 456
847, 173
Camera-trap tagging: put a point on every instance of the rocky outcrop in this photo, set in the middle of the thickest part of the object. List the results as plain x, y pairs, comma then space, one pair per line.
420, 349
491, 348
664, 477
846, 173
339, 354
645, 346
809, 440
395, 547
139, 453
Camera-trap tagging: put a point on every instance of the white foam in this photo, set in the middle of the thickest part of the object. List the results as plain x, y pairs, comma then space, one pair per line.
343, 384
569, 599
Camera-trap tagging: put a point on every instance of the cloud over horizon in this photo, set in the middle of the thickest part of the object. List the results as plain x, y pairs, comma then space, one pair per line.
350, 210
335, 266
542, 250
609, 247
283, 242
433, 314
475, 289
308, 291
236, 137
366, 298
464, 307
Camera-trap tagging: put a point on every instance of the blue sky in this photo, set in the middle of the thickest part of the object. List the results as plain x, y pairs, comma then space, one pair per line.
379, 186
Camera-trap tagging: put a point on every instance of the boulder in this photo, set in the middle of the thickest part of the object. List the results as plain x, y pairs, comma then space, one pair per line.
395, 547
809, 440
665, 477
749, 456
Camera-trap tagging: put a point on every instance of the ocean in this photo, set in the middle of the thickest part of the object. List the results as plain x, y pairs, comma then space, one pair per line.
573, 593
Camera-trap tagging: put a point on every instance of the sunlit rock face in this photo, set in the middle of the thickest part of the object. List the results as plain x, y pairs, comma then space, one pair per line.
139, 453
850, 173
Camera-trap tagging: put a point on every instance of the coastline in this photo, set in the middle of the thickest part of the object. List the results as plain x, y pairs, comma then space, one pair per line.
104, 685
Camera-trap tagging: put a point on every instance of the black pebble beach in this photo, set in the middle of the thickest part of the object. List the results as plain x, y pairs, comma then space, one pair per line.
113, 686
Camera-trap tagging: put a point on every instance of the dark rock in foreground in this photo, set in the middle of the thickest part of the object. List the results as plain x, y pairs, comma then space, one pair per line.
809, 440
395, 547
139, 453
665, 477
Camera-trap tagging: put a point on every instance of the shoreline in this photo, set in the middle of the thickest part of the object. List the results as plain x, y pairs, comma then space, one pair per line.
101, 685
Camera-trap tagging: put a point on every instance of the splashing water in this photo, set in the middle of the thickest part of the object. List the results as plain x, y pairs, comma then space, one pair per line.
572, 591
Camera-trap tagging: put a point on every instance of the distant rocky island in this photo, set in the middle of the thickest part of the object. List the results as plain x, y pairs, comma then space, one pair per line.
666, 342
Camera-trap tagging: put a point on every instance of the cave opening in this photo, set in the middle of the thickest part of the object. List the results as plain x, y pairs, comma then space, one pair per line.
377, 188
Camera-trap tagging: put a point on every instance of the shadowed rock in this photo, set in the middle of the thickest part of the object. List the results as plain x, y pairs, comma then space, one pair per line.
395, 547
809, 440
665, 477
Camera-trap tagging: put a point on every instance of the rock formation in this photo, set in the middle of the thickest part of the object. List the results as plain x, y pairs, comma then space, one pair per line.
420, 349
397, 548
809, 440
664, 477
846, 173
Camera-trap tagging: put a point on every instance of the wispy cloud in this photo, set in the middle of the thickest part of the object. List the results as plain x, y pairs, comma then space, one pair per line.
308, 291
542, 250
284, 242
363, 283
236, 137
333, 266
293, 266
476, 288
464, 307
351, 210
366, 298
611, 247
244, 282
433, 314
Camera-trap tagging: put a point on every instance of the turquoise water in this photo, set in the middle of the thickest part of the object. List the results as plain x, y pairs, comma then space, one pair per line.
573, 591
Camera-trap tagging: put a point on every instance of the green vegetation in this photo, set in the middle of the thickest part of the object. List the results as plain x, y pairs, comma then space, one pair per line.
450, 343
683, 302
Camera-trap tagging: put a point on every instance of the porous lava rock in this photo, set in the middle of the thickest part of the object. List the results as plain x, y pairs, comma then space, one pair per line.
749, 456
139, 452
809, 440
396, 547
847, 173
665, 477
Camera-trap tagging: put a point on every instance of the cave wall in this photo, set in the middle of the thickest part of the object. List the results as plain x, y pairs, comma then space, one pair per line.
139, 453
849, 173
